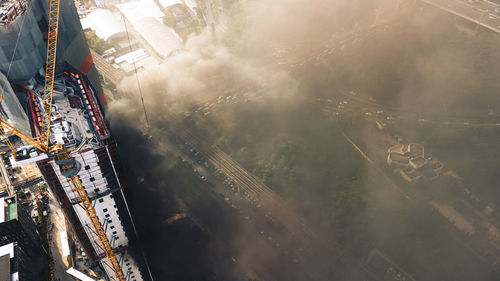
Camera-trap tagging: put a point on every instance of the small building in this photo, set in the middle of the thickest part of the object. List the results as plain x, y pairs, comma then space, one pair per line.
418, 162
416, 150
395, 158
412, 162
138, 59
146, 18
180, 17
398, 148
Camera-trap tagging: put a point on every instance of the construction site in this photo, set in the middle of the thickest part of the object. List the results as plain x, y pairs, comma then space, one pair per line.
52, 121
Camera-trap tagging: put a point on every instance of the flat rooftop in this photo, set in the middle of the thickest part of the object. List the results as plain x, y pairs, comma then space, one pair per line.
8, 209
5, 267
77, 120
11, 9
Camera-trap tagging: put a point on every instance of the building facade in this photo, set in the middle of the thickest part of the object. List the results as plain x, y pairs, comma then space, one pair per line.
80, 125
15, 264
16, 225
77, 122
23, 46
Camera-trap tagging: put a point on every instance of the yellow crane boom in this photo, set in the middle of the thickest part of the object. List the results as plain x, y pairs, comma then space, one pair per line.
50, 68
33, 141
6, 139
63, 159
91, 214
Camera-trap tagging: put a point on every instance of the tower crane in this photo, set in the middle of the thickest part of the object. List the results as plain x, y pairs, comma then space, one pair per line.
68, 165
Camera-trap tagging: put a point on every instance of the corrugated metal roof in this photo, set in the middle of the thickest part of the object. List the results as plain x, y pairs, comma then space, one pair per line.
150, 29
104, 23
137, 10
167, 3
146, 18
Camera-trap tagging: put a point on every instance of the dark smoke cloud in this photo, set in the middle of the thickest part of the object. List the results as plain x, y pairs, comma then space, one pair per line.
404, 66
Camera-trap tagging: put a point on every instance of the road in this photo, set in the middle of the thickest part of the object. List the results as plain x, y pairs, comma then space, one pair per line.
481, 12
313, 241
266, 233
251, 186
405, 114
302, 53
377, 168
56, 219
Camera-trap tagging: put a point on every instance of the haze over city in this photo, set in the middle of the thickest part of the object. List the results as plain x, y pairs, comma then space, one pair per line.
250, 140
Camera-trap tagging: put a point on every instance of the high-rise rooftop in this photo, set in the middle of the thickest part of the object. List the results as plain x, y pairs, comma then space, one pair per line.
16, 224
8, 209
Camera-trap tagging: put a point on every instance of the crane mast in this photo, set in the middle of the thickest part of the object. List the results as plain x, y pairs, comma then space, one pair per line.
67, 164
50, 68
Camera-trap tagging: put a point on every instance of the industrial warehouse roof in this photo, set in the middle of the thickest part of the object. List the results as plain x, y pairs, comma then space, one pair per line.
165, 44
137, 10
104, 23
167, 3
146, 18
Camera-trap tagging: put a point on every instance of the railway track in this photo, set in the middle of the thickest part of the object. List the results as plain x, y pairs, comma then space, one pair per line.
275, 206
313, 242
271, 203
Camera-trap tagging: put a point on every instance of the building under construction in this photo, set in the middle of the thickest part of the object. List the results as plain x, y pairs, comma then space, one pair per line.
77, 124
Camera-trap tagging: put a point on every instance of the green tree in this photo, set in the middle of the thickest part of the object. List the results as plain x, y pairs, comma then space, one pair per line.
20, 193
96, 43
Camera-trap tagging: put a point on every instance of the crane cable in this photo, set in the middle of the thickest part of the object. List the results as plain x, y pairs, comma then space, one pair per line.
135, 68
147, 126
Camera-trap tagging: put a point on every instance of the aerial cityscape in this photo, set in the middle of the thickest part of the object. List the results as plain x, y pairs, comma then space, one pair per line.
249, 140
